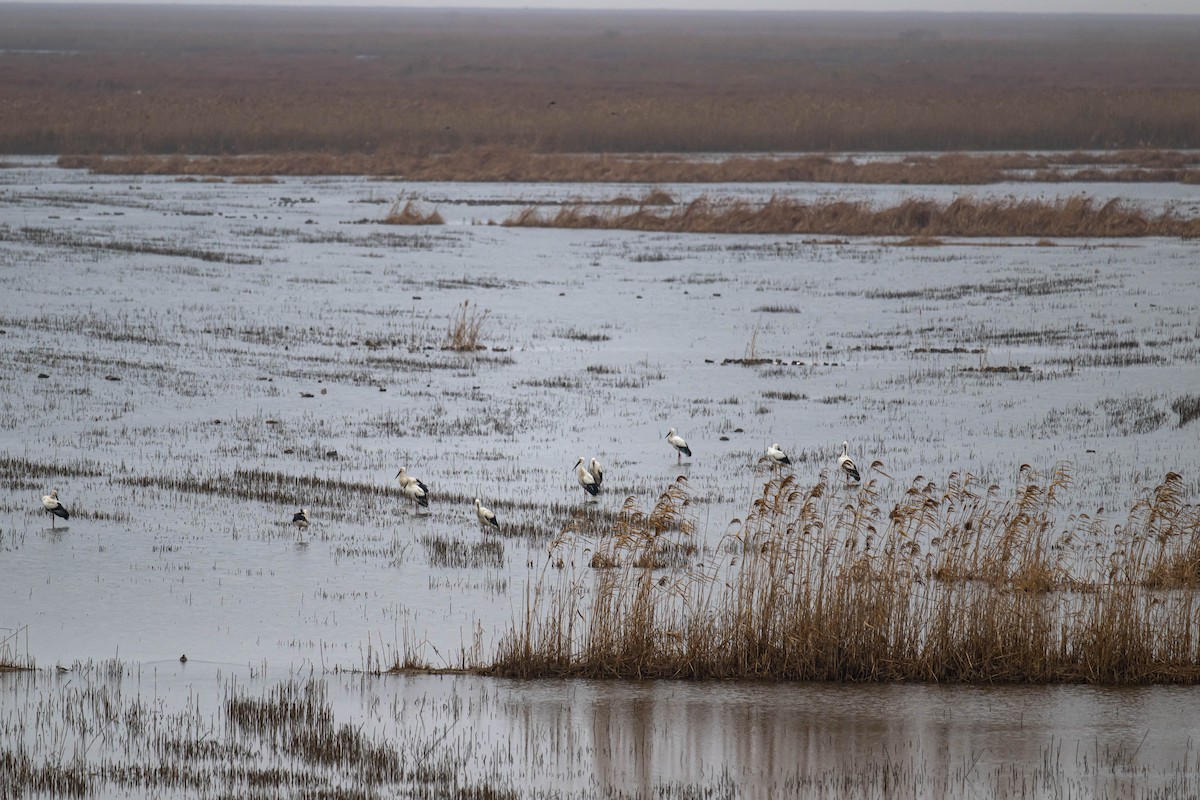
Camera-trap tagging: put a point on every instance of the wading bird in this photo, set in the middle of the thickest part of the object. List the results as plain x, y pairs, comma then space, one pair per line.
413, 488
597, 471
300, 518
586, 479
777, 456
681, 447
846, 464
53, 507
486, 517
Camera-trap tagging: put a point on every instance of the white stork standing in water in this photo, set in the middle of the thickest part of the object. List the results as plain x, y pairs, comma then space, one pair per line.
414, 489
485, 515
846, 464
300, 519
597, 471
586, 479
53, 507
776, 455
681, 447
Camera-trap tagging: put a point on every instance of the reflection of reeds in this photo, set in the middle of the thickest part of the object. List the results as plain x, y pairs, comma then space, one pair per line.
953, 583
1073, 216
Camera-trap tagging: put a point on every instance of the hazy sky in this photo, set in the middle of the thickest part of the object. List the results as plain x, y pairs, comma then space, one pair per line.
1014, 6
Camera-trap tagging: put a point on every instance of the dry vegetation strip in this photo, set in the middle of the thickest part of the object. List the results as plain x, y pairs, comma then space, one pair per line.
1070, 217
954, 584
502, 163
224, 80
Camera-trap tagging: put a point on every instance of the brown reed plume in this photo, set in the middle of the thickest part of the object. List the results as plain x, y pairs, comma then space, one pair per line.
953, 583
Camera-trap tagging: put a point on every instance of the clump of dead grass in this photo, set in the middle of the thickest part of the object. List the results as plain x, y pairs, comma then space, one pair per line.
956, 583
411, 214
466, 328
1187, 407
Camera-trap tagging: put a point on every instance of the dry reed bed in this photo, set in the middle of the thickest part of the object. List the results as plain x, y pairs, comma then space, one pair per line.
1070, 217
500, 163
953, 584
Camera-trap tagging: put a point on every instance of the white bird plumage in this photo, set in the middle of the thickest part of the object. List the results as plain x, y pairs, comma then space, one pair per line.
586, 479
777, 456
414, 489
681, 447
485, 515
846, 464
597, 471
53, 507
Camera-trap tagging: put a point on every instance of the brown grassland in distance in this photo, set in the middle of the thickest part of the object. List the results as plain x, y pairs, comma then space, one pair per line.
371, 82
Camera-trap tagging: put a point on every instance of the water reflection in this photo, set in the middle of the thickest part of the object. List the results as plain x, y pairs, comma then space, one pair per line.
863, 740
607, 739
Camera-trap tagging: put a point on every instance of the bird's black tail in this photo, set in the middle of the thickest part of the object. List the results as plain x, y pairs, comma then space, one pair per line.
61, 513
592, 489
423, 501
687, 451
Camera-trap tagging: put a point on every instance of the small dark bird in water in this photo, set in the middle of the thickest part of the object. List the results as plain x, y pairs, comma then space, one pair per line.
183, 659
300, 518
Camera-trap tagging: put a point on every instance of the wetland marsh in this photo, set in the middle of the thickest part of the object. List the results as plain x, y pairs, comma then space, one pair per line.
188, 363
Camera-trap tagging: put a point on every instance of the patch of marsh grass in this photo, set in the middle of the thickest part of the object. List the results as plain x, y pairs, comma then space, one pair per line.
466, 328
456, 553
956, 583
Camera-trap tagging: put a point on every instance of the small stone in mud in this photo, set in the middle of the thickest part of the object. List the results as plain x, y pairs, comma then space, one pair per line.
111, 378
43, 375
724, 438
307, 394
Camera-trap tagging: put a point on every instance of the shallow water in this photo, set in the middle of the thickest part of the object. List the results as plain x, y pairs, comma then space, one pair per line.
181, 324
597, 739
217, 305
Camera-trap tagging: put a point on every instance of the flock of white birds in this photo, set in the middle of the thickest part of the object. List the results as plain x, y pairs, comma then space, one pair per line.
588, 472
